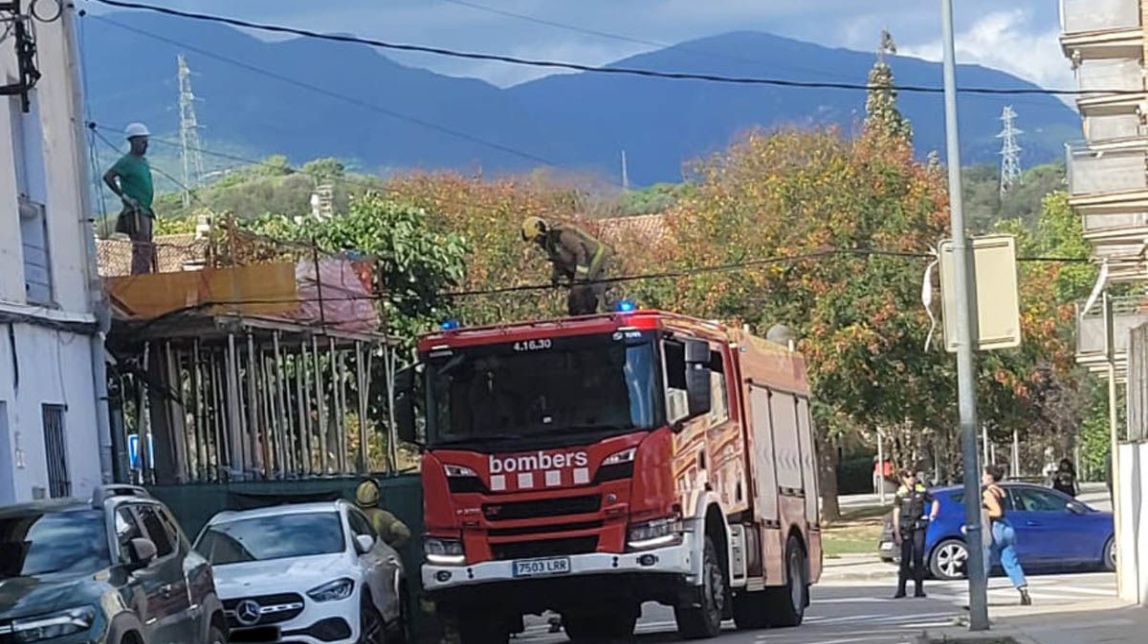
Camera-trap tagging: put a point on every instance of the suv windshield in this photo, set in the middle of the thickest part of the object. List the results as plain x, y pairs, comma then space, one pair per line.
53, 543
544, 386
273, 537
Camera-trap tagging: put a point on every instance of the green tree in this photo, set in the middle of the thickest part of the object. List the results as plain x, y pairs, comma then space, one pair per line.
881, 113
416, 265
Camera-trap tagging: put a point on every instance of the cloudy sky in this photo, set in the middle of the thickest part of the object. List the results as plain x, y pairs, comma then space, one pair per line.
1018, 36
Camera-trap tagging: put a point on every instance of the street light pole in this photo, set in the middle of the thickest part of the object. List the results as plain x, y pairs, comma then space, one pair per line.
966, 387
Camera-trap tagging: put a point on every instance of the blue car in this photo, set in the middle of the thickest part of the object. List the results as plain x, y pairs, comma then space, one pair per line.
1053, 530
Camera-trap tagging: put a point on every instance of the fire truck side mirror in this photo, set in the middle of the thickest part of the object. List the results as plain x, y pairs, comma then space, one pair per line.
405, 405
698, 384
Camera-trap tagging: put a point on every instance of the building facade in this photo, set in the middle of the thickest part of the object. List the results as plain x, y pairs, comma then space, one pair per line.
1108, 170
53, 422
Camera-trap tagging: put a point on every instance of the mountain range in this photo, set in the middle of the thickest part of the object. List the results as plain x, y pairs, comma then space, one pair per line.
308, 98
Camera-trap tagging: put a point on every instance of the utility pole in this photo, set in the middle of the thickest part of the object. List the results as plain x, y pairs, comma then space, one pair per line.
188, 134
966, 386
1113, 430
1010, 151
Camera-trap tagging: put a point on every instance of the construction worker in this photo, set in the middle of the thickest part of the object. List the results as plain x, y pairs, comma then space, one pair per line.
390, 529
914, 507
578, 260
130, 180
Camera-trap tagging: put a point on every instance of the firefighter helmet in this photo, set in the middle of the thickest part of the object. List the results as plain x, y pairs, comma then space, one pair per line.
533, 228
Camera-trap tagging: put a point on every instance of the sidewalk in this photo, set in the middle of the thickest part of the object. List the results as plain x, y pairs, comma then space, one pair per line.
1102, 620
853, 567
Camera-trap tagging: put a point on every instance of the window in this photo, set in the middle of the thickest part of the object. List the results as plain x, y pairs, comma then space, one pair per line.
675, 365
719, 394
31, 185
126, 529
1030, 500
68, 542
173, 530
56, 452
157, 531
265, 538
360, 525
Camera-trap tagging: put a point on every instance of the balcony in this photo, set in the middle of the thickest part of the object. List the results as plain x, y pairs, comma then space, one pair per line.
1107, 225
1113, 127
1107, 75
1097, 29
1128, 312
1106, 170
1098, 16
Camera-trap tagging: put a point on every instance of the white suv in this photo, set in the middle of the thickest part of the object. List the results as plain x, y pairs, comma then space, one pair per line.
312, 573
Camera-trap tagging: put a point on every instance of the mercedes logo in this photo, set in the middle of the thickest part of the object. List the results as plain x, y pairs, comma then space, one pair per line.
248, 612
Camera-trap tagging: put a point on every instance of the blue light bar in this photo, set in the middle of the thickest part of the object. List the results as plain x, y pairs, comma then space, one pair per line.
626, 306
450, 325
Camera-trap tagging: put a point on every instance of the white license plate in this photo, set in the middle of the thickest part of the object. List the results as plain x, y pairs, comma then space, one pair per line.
887, 546
542, 567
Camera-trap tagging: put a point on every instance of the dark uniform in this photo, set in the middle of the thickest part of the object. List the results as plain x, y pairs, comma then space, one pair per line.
915, 507
580, 261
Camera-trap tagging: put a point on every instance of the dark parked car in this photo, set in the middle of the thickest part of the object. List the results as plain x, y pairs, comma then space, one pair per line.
1053, 531
116, 569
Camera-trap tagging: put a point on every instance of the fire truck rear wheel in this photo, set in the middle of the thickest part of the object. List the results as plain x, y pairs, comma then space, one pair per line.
704, 621
609, 625
786, 605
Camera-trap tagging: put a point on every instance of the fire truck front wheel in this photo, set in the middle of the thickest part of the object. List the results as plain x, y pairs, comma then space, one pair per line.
611, 625
701, 618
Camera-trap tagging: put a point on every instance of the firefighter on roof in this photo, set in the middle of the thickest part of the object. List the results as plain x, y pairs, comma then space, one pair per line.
579, 261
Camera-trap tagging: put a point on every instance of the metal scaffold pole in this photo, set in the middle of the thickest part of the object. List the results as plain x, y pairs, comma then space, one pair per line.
966, 386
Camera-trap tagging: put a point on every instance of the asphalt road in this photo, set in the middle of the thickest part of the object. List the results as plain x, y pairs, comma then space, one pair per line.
863, 613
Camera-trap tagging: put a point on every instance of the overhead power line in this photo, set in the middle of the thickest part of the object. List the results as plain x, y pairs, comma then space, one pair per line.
570, 66
687, 48
332, 94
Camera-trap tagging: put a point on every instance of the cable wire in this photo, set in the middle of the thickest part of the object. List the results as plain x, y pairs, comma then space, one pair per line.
335, 95
628, 71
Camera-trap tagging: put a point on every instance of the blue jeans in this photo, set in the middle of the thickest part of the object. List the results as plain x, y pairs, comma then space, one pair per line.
1004, 544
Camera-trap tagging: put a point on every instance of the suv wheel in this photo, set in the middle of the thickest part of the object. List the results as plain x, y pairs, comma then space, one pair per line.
216, 636
372, 630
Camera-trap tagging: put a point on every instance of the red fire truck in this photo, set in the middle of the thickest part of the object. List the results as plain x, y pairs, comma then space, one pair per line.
588, 465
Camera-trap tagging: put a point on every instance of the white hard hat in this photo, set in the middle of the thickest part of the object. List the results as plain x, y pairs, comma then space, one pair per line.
136, 129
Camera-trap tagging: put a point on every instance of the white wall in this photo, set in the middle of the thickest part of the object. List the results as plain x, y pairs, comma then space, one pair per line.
38, 363
54, 368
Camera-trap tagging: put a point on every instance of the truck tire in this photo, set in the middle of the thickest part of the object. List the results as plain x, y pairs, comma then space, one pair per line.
750, 610
479, 629
704, 620
785, 606
600, 627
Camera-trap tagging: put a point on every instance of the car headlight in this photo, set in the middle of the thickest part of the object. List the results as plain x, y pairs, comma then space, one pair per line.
444, 552
48, 627
655, 534
333, 590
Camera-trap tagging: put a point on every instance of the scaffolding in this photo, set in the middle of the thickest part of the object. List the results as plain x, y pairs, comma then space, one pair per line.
268, 360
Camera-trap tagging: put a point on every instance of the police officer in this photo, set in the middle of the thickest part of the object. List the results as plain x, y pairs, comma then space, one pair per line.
390, 529
914, 508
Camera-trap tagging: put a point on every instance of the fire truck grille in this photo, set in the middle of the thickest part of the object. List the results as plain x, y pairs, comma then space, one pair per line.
551, 548
542, 508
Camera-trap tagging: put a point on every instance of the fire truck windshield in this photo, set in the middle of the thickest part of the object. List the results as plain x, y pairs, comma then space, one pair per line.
544, 388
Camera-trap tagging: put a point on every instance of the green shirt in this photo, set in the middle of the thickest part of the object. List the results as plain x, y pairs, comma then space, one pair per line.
135, 179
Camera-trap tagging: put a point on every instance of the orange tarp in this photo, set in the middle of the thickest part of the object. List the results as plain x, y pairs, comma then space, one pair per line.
258, 289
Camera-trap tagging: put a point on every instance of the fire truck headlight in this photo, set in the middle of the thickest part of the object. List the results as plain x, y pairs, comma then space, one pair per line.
459, 472
622, 457
655, 534
444, 552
